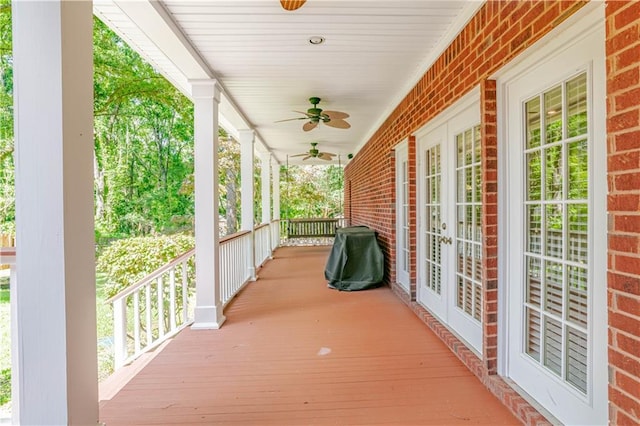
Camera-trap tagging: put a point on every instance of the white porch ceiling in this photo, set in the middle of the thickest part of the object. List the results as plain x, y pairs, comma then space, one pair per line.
375, 51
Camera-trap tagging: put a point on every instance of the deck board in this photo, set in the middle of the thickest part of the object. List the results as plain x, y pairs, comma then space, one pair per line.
294, 352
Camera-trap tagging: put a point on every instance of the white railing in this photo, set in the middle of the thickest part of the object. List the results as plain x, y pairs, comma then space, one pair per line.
234, 265
275, 234
153, 309
262, 243
160, 305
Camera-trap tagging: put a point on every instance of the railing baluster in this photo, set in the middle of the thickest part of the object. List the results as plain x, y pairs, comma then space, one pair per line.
147, 294
160, 307
136, 321
120, 332
172, 299
185, 285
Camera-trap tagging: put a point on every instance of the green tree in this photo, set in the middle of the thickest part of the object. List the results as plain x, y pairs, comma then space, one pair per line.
7, 204
143, 144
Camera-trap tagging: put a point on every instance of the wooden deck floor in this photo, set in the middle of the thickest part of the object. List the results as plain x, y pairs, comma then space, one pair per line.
294, 352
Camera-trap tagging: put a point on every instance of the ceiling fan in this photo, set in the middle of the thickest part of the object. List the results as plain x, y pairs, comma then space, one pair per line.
292, 4
316, 115
315, 153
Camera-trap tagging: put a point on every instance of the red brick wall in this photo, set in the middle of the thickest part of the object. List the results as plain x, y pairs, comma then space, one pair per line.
489, 135
623, 129
493, 37
499, 31
413, 217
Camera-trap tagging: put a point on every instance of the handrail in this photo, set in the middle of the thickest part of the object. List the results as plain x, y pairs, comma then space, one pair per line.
233, 236
7, 255
152, 276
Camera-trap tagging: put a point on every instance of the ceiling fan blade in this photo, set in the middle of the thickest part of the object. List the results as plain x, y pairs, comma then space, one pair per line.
292, 4
338, 124
336, 115
309, 126
325, 156
292, 119
306, 158
299, 155
331, 154
304, 113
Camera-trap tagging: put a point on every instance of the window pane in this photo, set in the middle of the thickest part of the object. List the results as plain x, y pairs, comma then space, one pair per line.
468, 147
553, 173
553, 288
553, 345
534, 286
578, 236
533, 334
478, 234
553, 224
577, 106
577, 311
477, 183
534, 229
553, 115
578, 170
532, 109
534, 177
577, 359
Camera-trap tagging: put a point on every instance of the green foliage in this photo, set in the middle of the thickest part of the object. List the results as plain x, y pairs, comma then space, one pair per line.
128, 260
311, 191
5, 386
143, 144
7, 205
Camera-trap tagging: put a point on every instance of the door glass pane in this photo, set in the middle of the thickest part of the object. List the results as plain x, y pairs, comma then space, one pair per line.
577, 106
578, 170
555, 207
553, 115
405, 217
553, 345
533, 335
532, 110
534, 169
433, 264
553, 173
469, 220
577, 359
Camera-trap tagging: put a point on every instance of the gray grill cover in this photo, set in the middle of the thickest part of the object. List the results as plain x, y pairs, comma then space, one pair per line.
356, 261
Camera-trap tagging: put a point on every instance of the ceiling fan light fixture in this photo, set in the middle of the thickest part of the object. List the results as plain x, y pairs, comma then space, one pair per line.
315, 40
291, 5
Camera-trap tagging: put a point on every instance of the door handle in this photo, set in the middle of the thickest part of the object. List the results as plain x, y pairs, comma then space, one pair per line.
445, 240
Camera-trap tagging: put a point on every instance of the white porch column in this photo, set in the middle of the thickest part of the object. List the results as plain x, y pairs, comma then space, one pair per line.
55, 359
247, 139
275, 175
266, 186
208, 311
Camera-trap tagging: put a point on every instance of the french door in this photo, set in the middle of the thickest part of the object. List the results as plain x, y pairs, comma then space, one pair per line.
403, 250
555, 257
450, 212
